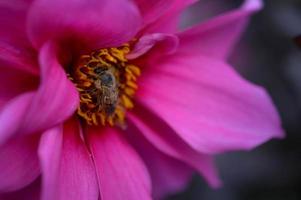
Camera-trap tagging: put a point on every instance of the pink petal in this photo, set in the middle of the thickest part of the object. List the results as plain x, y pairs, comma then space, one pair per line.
31, 192
167, 43
15, 82
67, 168
2, 103
169, 21
208, 104
160, 135
93, 24
56, 99
152, 9
12, 115
19, 164
121, 173
15, 56
15, 48
168, 175
217, 36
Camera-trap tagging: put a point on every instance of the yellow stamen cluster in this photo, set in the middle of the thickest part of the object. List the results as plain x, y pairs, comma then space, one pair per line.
107, 84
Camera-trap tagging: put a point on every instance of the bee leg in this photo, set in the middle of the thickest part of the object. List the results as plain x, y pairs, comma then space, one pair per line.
99, 101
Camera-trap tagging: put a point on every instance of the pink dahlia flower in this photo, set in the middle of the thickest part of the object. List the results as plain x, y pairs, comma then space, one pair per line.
106, 99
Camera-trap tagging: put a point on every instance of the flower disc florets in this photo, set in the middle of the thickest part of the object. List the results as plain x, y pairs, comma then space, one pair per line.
106, 83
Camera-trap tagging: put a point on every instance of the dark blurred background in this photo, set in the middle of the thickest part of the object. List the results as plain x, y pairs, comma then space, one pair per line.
267, 56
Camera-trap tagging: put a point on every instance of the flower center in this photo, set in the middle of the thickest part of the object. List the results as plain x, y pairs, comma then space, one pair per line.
106, 83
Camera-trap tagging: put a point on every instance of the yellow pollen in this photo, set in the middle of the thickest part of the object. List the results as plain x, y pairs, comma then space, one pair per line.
107, 84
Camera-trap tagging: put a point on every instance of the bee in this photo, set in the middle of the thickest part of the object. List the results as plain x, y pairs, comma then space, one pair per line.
105, 90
